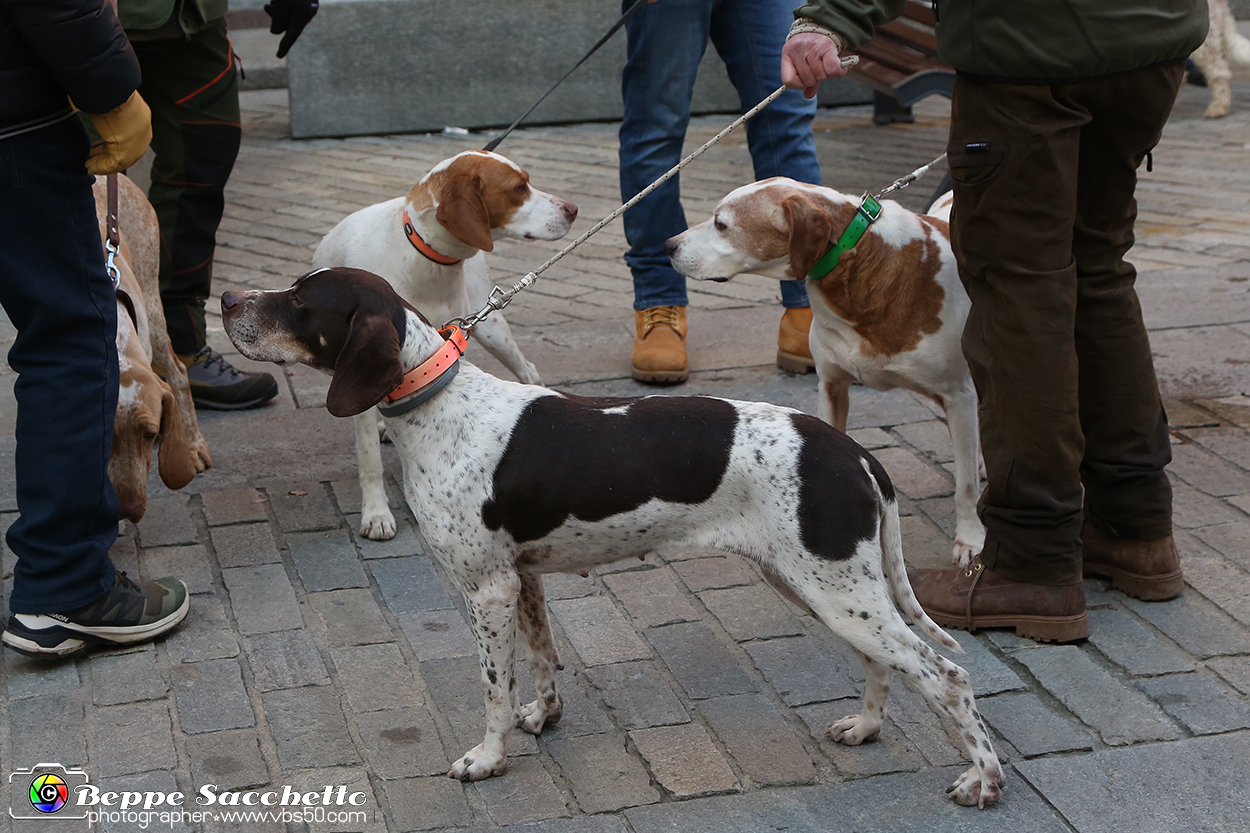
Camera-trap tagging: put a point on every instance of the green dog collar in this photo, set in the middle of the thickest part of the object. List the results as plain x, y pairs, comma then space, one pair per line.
867, 214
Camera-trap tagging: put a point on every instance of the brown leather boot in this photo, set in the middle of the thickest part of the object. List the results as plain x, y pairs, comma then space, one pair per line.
660, 345
980, 598
1149, 570
793, 353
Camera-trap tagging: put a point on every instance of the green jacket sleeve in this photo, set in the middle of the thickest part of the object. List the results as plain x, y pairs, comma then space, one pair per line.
855, 20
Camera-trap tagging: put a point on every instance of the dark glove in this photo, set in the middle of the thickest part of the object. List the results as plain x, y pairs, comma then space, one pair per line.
289, 16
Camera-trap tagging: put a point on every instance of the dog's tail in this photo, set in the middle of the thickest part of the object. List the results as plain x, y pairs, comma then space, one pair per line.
896, 571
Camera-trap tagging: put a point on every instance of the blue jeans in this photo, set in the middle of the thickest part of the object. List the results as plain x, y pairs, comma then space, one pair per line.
666, 41
55, 290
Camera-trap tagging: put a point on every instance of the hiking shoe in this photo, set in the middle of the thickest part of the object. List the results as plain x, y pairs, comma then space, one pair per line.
218, 385
793, 353
130, 612
1149, 570
659, 355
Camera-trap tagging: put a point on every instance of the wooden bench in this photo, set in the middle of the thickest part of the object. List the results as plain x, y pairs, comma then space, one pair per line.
900, 64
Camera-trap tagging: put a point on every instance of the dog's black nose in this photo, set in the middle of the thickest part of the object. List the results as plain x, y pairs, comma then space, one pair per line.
230, 300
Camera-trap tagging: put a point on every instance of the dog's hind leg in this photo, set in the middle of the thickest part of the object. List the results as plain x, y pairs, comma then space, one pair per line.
541, 658
376, 521
492, 605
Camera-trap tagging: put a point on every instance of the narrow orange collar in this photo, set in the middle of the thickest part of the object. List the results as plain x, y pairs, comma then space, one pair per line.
421, 383
425, 248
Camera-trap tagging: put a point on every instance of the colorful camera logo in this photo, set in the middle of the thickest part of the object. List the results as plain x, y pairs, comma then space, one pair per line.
46, 791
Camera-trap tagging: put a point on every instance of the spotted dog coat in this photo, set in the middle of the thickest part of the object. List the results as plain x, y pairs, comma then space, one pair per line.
511, 481
891, 313
460, 208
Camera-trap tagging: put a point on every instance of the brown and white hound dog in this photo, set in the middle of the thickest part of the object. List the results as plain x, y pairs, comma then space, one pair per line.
511, 481
889, 315
430, 245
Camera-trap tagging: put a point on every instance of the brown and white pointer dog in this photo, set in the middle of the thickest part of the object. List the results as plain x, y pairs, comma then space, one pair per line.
511, 481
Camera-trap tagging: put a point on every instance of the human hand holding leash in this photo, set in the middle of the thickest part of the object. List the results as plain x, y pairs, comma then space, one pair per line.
289, 16
807, 59
125, 133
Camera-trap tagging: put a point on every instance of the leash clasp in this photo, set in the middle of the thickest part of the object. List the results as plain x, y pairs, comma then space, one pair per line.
110, 264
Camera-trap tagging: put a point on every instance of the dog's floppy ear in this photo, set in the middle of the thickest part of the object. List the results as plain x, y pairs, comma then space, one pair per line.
174, 459
810, 233
462, 211
367, 368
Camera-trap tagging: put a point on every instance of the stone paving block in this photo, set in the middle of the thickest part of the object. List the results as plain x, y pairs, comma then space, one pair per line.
1031, 727
936, 738
133, 737
1151, 788
438, 634
126, 679
51, 727
760, 739
925, 544
1223, 583
404, 543
234, 506
326, 560
263, 599
157, 782
1207, 472
455, 690
989, 674
1192, 509
350, 780
1195, 624
755, 612
890, 752
638, 694
931, 437
1119, 714
685, 761
427, 804
800, 672
715, 572
125, 553
167, 521
302, 507
700, 660
582, 716
245, 545
231, 760
872, 438
189, 564
204, 634
211, 696
1205, 706
351, 617
308, 728
402, 743
598, 631
376, 677
1231, 540
410, 585
652, 597
31, 677
526, 793
288, 659
913, 476
603, 775
568, 586
1124, 640
1233, 670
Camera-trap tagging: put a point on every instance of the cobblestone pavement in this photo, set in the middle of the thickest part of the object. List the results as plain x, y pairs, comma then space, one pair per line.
695, 697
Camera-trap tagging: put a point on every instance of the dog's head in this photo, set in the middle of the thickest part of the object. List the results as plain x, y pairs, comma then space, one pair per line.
147, 412
480, 197
776, 227
346, 322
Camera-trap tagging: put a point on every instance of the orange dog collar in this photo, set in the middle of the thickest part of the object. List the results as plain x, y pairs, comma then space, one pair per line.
420, 384
424, 248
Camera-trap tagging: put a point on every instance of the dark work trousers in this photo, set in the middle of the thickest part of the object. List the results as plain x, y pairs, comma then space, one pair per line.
193, 90
54, 289
1071, 420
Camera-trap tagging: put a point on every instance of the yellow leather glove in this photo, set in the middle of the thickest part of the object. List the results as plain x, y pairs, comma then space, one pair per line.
125, 132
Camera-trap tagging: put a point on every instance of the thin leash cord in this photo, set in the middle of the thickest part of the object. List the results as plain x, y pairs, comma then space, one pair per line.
494, 143
903, 182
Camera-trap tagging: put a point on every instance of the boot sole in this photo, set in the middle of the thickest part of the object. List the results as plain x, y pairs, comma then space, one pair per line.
794, 363
1147, 588
659, 377
1037, 628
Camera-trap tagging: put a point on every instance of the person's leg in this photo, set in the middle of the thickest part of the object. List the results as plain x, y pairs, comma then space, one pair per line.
55, 290
1128, 499
1013, 154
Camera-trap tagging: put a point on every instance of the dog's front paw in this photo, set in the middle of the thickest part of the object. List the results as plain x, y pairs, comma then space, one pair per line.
853, 730
534, 716
203, 460
476, 765
973, 790
963, 553
378, 527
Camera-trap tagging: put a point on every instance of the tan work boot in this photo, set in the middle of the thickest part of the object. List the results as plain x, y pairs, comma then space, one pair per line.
793, 353
660, 345
1149, 570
